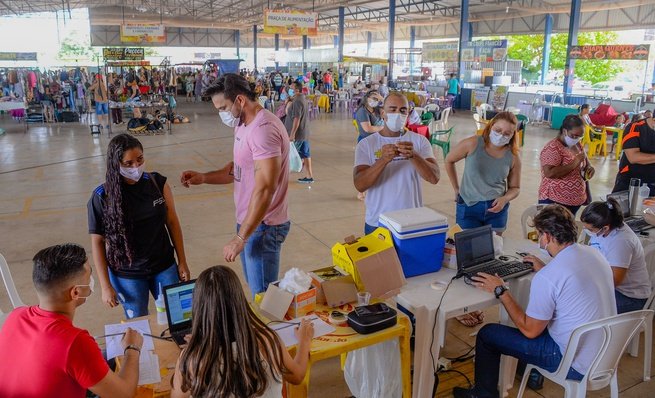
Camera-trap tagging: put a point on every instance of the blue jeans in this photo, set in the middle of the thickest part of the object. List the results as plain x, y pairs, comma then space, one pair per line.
368, 228
627, 304
133, 293
469, 217
495, 340
572, 209
261, 255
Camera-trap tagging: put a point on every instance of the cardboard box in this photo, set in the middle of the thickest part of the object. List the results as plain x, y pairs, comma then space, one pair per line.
373, 263
334, 286
278, 302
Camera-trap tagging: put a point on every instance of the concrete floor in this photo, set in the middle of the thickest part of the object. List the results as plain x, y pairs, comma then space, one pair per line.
47, 175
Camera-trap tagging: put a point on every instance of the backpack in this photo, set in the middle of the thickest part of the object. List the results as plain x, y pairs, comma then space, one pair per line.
137, 125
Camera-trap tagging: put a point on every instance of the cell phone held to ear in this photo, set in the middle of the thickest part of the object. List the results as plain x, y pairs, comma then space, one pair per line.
372, 318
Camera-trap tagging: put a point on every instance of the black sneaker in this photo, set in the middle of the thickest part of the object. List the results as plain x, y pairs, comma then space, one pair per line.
306, 180
461, 392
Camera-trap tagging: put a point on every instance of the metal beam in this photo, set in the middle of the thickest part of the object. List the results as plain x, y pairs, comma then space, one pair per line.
392, 35
254, 41
463, 37
341, 27
574, 26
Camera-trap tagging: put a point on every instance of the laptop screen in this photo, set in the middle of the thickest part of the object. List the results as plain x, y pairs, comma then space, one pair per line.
179, 303
474, 246
623, 197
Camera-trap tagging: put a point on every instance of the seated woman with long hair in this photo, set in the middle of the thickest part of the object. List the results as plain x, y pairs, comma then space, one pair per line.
231, 352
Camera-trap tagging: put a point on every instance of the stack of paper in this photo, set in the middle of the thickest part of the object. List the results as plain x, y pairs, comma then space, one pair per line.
148, 360
286, 330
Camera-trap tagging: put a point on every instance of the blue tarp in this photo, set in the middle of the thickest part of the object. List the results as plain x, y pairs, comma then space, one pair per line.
225, 65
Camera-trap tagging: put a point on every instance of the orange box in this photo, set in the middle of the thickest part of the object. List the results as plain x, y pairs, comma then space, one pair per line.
277, 303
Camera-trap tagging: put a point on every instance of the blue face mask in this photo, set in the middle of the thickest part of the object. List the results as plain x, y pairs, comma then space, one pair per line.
292, 92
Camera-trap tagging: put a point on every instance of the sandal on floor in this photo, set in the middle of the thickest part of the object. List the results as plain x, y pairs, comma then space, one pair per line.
471, 319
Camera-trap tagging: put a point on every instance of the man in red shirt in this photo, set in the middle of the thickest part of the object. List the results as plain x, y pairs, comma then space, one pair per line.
43, 354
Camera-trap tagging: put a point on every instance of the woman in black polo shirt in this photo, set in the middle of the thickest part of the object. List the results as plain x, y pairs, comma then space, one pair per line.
132, 222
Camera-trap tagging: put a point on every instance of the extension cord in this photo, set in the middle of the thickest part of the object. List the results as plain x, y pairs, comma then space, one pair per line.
444, 364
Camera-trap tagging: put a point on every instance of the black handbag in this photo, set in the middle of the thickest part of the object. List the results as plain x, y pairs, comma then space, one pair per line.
374, 322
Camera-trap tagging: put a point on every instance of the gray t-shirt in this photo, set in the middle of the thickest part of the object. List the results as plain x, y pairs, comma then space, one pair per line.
298, 109
363, 115
623, 249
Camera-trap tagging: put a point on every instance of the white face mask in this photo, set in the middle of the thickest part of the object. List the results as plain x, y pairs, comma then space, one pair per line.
498, 139
396, 121
91, 285
544, 249
571, 141
228, 118
133, 173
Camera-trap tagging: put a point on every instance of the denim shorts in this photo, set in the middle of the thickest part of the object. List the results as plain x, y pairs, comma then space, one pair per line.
479, 215
303, 148
102, 108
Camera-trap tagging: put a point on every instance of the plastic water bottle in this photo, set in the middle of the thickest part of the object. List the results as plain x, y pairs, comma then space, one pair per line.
160, 304
644, 192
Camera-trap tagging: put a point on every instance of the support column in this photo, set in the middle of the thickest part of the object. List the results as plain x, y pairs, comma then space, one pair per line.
309, 43
254, 41
305, 46
412, 42
369, 41
545, 61
277, 48
470, 28
335, 41
237, 40
392, 35
569, 66
464, 36
342, 28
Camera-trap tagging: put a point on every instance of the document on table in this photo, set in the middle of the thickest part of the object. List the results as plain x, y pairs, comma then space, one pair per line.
286, 329
114, 347
149, 369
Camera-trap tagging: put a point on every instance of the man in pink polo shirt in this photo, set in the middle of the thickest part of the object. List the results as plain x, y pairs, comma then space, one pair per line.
260, 173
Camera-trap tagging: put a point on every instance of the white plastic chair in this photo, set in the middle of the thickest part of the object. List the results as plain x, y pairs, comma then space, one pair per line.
527, 216
476, 119
342, 100
616, 333
649, 253
482, 110
444, 117
11, 288
513, 109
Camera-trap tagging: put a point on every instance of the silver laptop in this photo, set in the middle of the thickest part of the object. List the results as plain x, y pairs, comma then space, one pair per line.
636, 223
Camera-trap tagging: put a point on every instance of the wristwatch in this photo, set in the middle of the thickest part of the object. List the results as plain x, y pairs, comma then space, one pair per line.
500, 290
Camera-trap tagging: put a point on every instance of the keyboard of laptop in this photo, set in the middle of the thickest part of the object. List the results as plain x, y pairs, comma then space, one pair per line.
504, 268
637, 224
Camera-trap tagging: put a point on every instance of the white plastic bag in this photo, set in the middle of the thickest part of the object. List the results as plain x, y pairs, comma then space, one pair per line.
374, 371
296, 281
295, 163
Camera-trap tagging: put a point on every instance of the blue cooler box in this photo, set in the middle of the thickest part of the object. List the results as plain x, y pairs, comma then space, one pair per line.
419, 236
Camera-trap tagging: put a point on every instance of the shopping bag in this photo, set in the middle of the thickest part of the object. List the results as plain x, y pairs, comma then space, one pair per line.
295, 163
374, 371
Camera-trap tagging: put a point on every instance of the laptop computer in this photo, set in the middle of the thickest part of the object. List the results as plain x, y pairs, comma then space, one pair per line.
636, 223
475, 253
179, 303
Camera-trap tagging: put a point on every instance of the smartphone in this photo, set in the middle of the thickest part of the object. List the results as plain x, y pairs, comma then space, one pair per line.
373, 309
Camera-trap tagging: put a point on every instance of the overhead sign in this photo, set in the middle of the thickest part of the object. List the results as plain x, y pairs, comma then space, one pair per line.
123, 54
484, 51
128, 63
623, 51
143, 33
291, 22
440, 52
17, 56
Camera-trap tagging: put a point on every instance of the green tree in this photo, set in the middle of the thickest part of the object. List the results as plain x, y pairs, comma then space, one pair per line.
529, 49
76, 47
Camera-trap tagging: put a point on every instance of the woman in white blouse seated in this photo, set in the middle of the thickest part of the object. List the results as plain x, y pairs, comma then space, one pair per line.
603, 222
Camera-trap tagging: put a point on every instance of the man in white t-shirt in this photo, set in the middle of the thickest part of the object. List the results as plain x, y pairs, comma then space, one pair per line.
571, 290
389, 165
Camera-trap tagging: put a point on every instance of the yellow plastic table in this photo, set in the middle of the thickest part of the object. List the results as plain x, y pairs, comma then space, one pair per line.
619, 141
345, 339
